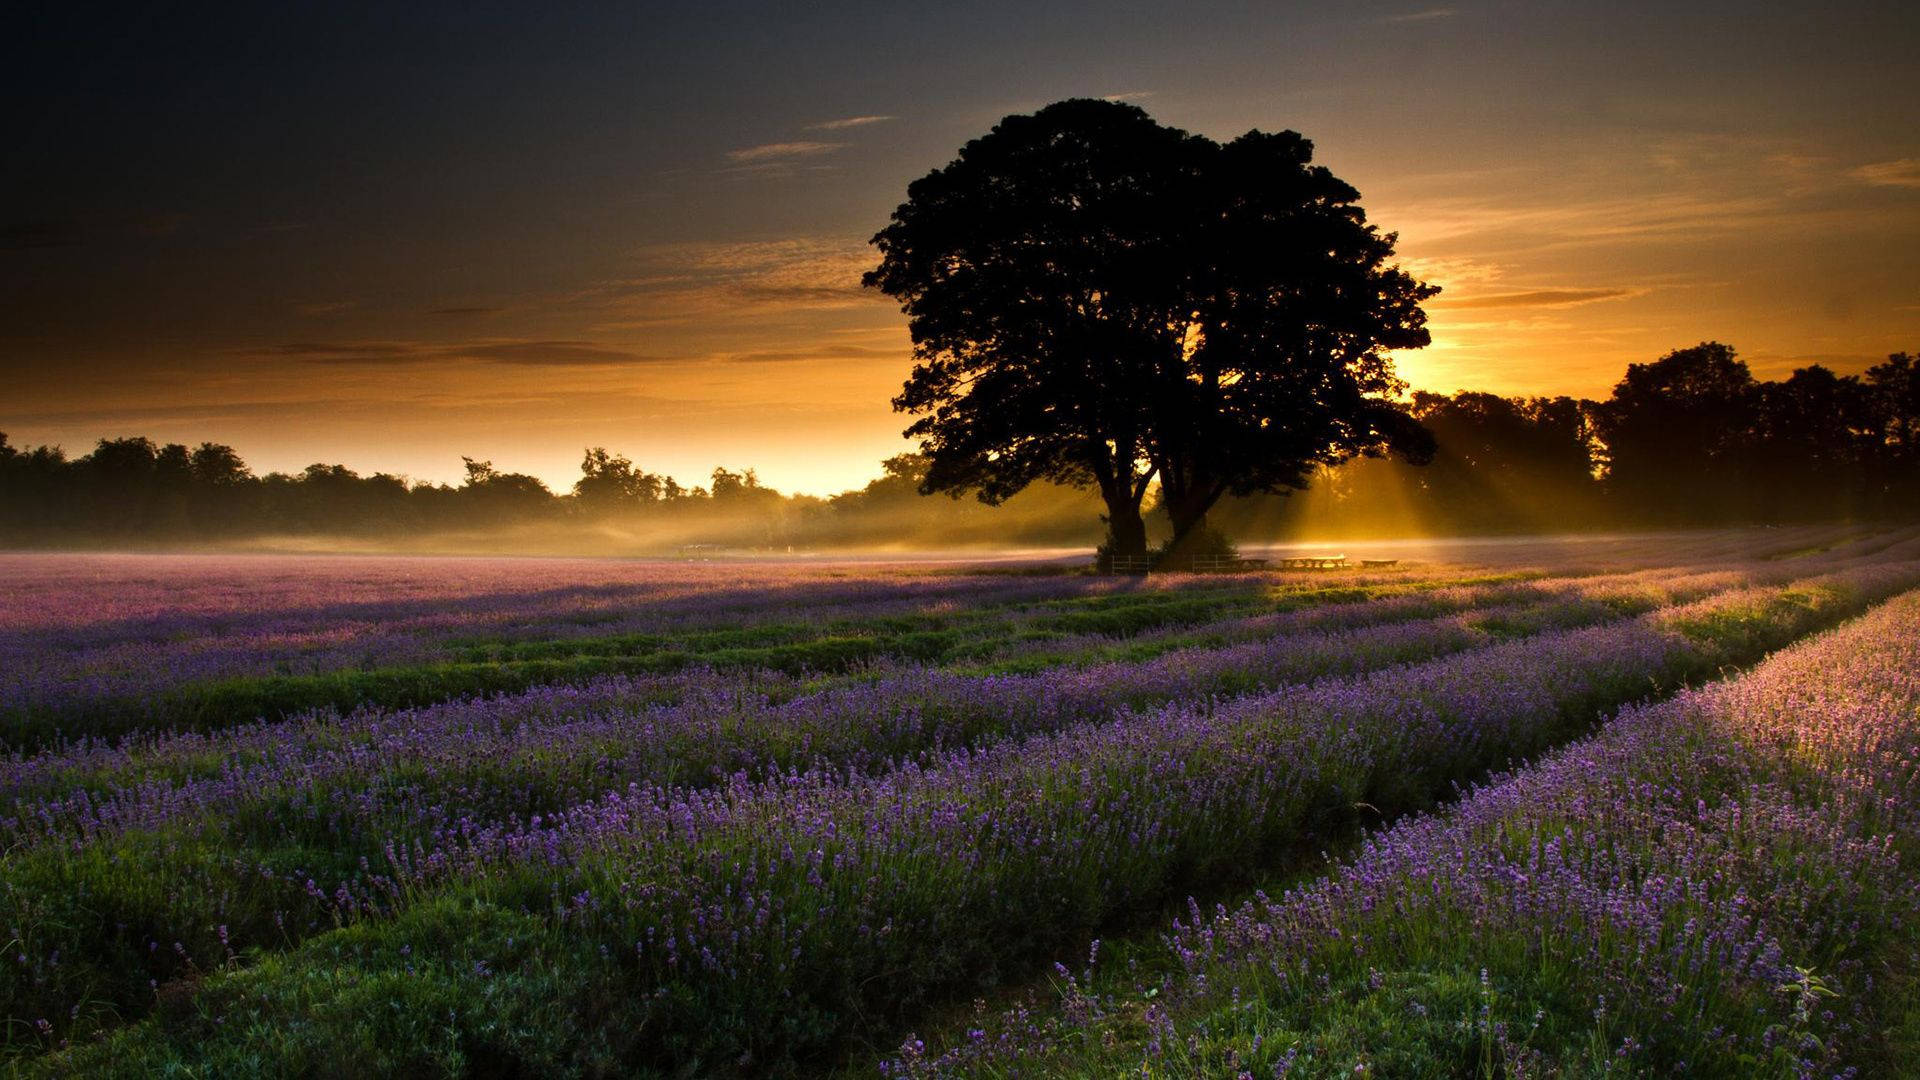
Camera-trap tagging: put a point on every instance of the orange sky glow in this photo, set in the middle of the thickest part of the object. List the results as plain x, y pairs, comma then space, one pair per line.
679, 281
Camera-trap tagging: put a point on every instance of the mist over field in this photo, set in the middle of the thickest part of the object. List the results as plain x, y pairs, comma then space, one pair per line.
1689, 440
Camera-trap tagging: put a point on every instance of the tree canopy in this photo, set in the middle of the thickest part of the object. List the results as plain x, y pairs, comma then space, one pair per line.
1098, 299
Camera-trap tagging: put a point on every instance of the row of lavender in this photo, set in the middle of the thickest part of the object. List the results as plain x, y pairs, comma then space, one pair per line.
77, 630
755, 720
1725, 884
764, 918
256, 836
705, 725
84, 671
1300, 606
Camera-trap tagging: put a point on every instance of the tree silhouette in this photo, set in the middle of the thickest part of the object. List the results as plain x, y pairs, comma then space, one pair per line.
218, 465
1505, 463
610, 482
1096, 299
1894, 397
1813, 434
492, 494
1678, 432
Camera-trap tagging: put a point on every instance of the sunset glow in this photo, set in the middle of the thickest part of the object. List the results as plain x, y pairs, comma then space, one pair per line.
654, 241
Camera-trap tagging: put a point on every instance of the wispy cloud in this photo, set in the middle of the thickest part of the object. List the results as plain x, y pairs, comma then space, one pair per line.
848, 122
1500, 227
548, 353
1540, 298
489, 351
1795, 162
1130, 95
464, 311
1429, 15
782, 151
814, 354
1904, 172
697, 282
195, 412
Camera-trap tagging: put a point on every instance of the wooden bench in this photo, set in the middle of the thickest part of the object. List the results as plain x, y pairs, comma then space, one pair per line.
1375, 564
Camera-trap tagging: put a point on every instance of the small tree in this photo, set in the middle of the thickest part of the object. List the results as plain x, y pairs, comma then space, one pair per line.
610, 482
495, 495
1893, 393
217, 465
1096, 299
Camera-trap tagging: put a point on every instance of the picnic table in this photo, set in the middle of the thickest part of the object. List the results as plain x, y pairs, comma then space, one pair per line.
1313, 562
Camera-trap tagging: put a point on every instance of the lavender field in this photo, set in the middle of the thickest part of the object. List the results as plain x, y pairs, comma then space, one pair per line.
1633, 807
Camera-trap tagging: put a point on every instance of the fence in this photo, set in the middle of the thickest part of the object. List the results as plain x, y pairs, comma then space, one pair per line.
1200, 564
1216, 564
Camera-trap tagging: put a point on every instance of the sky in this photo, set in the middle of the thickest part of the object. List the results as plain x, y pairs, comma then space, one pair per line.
392, 235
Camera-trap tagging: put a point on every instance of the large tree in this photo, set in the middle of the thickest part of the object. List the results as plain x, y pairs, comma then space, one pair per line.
1097, 299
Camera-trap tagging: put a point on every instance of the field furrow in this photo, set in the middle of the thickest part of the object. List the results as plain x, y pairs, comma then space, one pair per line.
1723, 884
830, 903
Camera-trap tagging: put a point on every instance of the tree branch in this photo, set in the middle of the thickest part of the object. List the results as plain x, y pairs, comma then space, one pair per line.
1140, 489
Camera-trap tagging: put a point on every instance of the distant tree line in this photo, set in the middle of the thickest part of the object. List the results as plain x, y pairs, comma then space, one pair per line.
133, 492
1689, 439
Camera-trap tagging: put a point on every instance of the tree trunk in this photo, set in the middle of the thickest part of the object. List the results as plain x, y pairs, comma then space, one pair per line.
1187, 510
1188, 537
1126, 529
